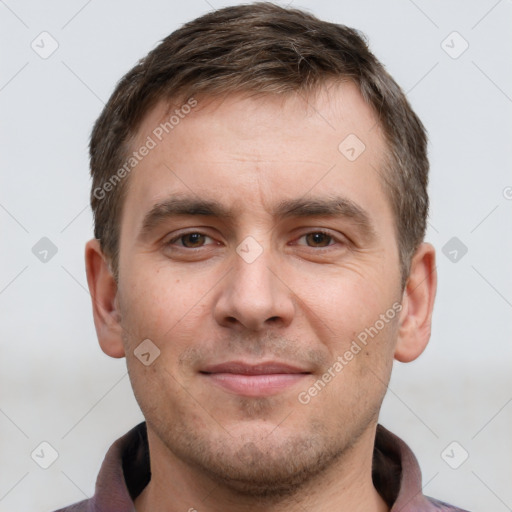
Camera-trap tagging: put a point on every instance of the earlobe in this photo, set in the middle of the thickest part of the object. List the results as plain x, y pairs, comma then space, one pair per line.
103, 289
418, 304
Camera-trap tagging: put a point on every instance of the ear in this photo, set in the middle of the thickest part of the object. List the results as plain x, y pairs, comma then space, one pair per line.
105, 307
418, 303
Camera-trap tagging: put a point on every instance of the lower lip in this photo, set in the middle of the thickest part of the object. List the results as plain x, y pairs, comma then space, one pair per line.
255, 385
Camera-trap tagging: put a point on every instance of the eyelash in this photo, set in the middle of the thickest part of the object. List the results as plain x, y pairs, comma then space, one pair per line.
333, 239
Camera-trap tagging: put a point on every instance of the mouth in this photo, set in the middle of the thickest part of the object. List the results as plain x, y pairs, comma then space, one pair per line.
254, 380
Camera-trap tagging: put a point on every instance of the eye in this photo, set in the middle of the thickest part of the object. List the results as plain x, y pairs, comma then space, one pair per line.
191, 240
316, 239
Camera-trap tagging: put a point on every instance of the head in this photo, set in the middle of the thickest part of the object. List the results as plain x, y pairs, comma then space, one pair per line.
259, 194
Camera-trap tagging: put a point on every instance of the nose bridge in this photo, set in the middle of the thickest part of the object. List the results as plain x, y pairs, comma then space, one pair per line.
251, 276
252, 296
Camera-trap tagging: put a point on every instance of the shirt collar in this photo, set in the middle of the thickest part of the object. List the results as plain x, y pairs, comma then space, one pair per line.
126, 471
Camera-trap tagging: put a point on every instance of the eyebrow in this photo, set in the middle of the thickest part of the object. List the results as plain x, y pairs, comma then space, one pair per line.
182, 206
299, 208
329, 207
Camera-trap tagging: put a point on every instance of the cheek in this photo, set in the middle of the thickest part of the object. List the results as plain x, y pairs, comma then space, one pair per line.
156, 301
354, 318
173, 313
344, 300
365, 360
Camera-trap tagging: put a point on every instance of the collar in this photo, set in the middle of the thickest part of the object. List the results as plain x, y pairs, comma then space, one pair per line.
126, 471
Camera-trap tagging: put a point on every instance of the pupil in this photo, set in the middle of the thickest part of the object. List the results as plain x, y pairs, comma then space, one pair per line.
193, 239
319, 239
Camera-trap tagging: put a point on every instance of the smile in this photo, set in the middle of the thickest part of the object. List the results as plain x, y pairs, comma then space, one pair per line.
258, 380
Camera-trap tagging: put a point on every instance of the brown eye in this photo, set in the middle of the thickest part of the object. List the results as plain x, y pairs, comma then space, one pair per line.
193, 240
318, 239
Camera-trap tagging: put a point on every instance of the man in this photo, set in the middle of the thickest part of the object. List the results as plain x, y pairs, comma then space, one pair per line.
259, 193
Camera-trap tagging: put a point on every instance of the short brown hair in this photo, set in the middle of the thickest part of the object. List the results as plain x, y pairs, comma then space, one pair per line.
263, 49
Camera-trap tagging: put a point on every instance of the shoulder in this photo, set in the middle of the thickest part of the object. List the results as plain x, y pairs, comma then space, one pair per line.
82, 506
442, 506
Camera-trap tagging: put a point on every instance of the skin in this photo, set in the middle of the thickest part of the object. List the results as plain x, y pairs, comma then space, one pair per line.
303, 300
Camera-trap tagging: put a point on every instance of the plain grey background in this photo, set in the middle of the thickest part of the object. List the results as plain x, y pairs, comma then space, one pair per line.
56, 386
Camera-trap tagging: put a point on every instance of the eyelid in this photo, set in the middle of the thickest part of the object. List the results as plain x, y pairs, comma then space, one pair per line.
176, 238
336, 237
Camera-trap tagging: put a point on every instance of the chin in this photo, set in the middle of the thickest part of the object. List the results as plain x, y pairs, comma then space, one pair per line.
271, 467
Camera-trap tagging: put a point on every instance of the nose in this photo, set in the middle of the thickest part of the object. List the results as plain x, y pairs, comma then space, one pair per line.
254, 296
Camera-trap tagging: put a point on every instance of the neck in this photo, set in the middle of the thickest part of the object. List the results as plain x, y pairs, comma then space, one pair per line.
344, 486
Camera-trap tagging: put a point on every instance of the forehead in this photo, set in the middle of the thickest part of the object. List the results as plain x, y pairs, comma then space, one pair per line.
329, 110
246, 151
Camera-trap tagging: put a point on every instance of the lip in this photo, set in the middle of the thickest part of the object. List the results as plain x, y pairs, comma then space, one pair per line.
261, 368
254, 379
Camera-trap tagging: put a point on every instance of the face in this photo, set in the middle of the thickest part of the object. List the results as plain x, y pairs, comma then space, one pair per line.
254, 255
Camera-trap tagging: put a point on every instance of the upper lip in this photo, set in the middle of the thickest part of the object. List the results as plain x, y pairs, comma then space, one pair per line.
262, 368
